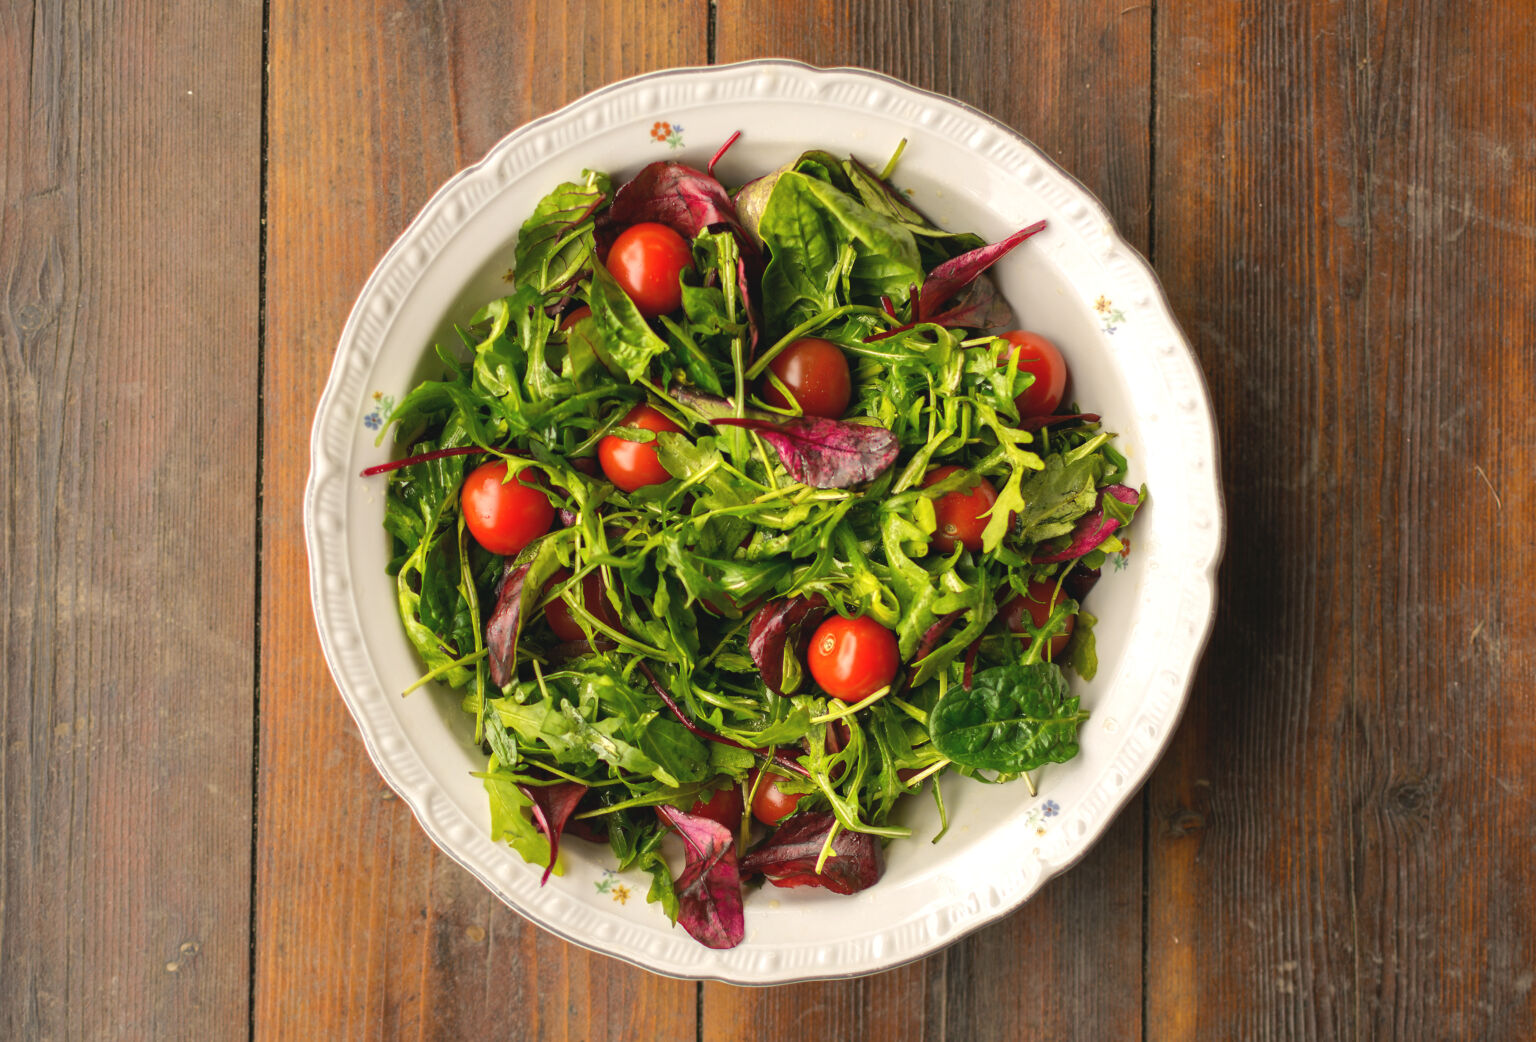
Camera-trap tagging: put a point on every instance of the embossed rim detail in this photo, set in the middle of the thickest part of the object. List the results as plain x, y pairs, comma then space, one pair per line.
1191, 565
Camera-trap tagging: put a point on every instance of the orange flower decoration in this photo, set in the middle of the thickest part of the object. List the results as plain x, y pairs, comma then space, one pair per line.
659, 130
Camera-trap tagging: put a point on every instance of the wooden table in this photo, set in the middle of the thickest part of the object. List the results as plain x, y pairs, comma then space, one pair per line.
1340, 199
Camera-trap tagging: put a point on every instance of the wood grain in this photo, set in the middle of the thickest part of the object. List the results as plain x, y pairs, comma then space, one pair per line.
1075, 79
1344, 218
364, 930
129, 209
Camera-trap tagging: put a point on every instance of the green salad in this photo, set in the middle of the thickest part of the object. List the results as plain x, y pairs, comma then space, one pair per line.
743, 516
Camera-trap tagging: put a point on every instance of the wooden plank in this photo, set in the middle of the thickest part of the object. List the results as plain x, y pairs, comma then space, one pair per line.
364, 930
1345, 220
129, 217
1074, 78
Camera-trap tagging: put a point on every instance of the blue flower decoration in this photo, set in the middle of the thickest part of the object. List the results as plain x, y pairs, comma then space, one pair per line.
678, 127
1051, 808
373, 421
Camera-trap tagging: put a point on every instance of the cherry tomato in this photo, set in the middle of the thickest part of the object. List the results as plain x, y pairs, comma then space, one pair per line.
724, 806
594, 599
770, 804
852, 658
816, 373
646, 260
1037, 356
574, 317
504, 516
962, 514
633, 464
1039, 603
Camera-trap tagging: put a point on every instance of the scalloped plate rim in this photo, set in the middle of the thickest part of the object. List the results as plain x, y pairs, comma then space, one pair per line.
327, 403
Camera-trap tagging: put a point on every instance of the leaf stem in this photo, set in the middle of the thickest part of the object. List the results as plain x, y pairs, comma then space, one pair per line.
848, 710
929, 771
446, 667
812, 323
425, 457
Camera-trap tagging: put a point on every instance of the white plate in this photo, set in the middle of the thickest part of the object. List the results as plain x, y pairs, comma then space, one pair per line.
1078, 282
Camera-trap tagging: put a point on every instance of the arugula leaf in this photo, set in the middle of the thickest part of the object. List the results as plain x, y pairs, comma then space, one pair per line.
511, 824
554, 245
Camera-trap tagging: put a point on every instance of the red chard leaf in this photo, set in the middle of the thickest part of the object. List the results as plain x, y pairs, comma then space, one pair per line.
935, 634
779, 624
684, 199
709, 889
1079, 581
825, 453
1094, 527
959, 272
516, 592
789, 857
1034, 423
970, 664
978, 306
506, 623
385, 468
552, 806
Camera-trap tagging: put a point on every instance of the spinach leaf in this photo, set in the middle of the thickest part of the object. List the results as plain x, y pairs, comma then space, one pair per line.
827, 249
1013, 719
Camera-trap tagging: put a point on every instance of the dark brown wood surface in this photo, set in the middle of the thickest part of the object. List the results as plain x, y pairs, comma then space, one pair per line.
1341, 201
130, 171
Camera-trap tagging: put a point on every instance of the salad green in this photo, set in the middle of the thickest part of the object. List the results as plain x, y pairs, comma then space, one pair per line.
687, 605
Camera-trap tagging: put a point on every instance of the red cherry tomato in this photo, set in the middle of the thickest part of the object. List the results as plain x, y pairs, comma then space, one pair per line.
963, 514
770, 804
816, 373
724, 806
504, 516
633, 464
646, 260
574, 317
1037, 356
594, 599
1039, 602
852, 658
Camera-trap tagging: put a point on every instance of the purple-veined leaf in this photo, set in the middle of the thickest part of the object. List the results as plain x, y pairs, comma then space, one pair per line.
425, 457
789, 857
719, 155
1034, 423
970, 664
709, 888
1093, 528
518, 588
1079, 581
778, 624
684, 199
552, 807
935, 634
978, 306
956, 273
825, 453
